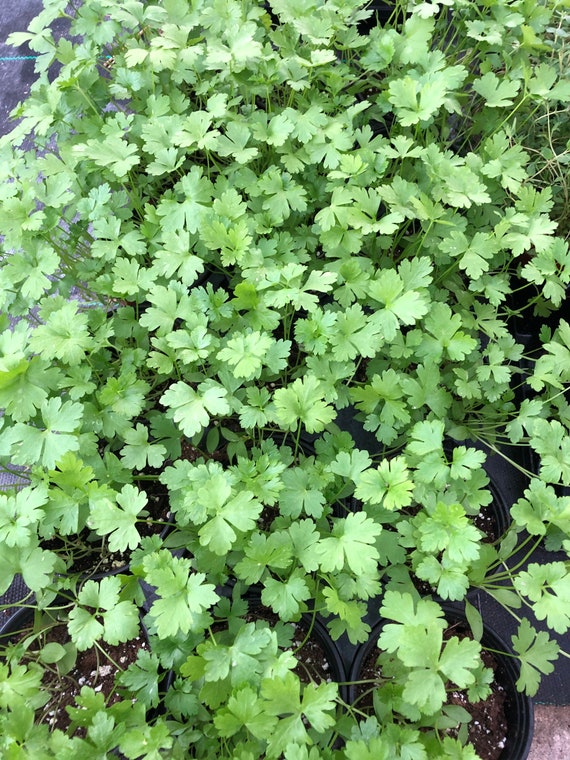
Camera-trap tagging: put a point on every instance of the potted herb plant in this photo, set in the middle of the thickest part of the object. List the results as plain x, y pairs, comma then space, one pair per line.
227, 229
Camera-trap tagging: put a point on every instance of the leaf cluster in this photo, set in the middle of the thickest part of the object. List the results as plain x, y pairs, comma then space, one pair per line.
225, 229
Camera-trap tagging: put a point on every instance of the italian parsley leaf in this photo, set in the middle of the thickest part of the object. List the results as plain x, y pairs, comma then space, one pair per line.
191, 408
183, 597
100, 614
119, 521
351, 544
303, 402
536, 652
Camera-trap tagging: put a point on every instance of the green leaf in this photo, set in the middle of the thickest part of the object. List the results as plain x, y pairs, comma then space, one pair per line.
550, 440
400, 306
537, 653
448, 529
196, 132
426, 437
475, 620
113, 620
262, 552
506, 161
24, 383
64, 335
176, 258
352, 334
348, 617
243, 659
189, 346
446, 336
304, 537
552, 367
496, 92
402, 608
119, 522
112, 151
20, 515
245, 353
234, 141
255, 412
319, 705
449, 577
425, 689
52, 652
130, 279
124, 395
548, 588
282, 698
179, 216
350, 464
183, 596
303, 402
21, 685
245, 709
141, 678
350, 543
465, 462
33, 445
414, 101
389, 484
384, 397
191, 409
475, 255
232, 512
302, 492
286, 598
281, 194
146, 741
460, 657
138, 452
541, 510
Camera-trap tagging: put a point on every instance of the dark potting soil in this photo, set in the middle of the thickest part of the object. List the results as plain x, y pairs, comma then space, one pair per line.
487, 730
488, 524
92, 668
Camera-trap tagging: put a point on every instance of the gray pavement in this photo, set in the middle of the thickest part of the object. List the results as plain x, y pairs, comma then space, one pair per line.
551, 733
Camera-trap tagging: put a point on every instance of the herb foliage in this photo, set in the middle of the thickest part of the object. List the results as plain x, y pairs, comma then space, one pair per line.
223, 225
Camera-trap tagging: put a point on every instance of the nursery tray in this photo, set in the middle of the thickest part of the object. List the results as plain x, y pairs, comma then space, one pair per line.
17, 74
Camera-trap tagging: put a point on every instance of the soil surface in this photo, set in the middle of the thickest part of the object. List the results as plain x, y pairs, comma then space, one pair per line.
92, 668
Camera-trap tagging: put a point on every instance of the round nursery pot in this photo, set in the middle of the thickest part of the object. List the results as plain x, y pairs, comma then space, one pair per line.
319, 657
493, 520
514, 739
95, 667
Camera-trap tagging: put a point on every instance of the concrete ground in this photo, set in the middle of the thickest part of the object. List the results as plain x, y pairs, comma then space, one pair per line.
551, 733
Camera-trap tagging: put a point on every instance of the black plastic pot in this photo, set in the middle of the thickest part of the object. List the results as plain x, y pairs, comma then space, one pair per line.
21, 621
519, 711
316, 629
381, 13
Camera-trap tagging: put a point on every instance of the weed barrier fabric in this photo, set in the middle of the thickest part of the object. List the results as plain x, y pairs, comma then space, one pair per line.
16, 77
18, 590
16, 64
